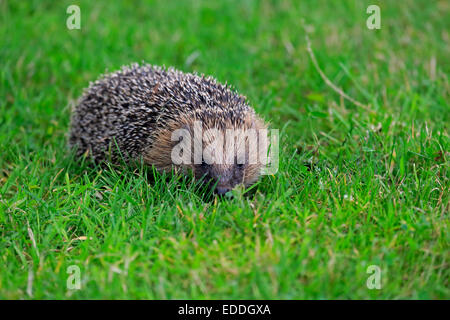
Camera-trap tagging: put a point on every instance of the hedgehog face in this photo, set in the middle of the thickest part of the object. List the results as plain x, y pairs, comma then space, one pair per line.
207, 152
226, 167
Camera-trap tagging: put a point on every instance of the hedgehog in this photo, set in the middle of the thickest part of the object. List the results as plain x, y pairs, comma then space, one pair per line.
133, 113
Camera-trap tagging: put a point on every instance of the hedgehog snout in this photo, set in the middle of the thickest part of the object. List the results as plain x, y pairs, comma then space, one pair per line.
222, 190
227, 181
222, 179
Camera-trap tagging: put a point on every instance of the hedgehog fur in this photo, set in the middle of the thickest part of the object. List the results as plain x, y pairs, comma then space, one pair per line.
131, 114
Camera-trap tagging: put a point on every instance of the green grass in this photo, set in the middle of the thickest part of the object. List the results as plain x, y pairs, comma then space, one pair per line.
355, 187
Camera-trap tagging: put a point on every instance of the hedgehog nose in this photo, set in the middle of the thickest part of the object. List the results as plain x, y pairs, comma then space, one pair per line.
222, 190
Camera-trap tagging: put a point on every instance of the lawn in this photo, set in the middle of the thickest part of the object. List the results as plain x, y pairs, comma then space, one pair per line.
358, 185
